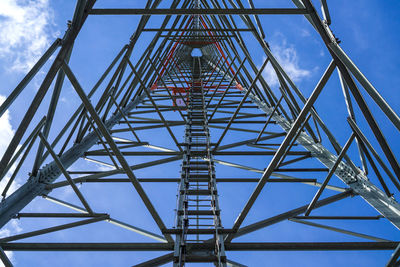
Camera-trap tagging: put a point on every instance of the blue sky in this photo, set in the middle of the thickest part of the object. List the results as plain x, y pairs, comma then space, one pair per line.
368, 31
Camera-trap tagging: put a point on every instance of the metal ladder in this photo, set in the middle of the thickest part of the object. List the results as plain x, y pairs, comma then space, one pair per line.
198, 213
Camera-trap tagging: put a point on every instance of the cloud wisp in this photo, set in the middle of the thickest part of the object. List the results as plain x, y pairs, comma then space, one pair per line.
6, 133
25, 32
286, 55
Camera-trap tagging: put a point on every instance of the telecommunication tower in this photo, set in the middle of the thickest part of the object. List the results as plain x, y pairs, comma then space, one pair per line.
194, 102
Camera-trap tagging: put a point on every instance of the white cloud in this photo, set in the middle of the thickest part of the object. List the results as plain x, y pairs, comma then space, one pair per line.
304, 33
6, 133
104, 168
24, 31
287, 57
11, 229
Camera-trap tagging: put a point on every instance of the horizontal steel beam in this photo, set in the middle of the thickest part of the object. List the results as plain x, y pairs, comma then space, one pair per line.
135, 153
172, 153
195, 30
218, 180
339, 217
268, 246
254, 153
216, 11
312, 246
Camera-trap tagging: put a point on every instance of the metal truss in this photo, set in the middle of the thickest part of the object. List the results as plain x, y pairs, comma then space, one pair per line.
201, 112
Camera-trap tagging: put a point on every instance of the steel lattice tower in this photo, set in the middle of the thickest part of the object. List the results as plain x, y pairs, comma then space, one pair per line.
195, 97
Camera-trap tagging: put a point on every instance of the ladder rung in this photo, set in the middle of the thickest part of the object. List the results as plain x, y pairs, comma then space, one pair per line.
201, 218
198, 231
196, 258
199, 180
198, 192
195, 167
194, 176
196, 162
199, 212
